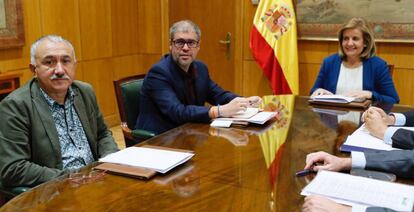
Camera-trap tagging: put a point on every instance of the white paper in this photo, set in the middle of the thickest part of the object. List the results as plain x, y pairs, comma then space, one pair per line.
333, 98
262, 117
156, 159
221, 123
248, 113
259, 118
349, 189
362, 138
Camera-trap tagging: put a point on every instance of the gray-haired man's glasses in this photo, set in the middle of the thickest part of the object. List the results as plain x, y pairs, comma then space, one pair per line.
179, 43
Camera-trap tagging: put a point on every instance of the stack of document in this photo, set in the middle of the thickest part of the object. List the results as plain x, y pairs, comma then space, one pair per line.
160, 160
354, 190
362, 140
250, 115
333, 98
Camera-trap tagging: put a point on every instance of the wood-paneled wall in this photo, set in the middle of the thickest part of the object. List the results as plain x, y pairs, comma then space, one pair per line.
112, 39
311, 54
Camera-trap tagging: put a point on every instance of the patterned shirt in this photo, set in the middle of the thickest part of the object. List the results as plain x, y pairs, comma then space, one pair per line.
74, 145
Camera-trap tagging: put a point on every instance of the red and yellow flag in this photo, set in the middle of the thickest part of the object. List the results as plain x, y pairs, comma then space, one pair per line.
273, 41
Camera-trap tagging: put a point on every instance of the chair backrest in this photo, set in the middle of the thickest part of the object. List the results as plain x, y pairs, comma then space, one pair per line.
127, 92
391, 69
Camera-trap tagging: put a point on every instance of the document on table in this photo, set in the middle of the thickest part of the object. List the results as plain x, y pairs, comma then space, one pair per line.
334, 98
258, 118
248, 113
160, 160
354, 190
362, 140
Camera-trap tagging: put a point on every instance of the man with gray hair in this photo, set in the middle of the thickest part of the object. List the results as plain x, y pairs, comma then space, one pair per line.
175, 89
52, 124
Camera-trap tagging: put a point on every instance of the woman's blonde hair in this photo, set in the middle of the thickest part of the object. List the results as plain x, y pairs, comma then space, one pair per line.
369, 42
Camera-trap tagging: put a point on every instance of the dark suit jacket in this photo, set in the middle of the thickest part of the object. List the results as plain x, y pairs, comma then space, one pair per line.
376, 78
29, 143
379, 209
399, 162
163, 97
402, 138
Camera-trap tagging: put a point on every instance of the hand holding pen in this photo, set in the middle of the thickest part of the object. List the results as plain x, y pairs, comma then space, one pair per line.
325, 161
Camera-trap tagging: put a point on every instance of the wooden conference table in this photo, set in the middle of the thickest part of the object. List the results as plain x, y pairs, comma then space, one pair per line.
234, 169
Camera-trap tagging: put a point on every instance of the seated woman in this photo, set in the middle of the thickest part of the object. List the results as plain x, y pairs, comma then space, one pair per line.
355, 71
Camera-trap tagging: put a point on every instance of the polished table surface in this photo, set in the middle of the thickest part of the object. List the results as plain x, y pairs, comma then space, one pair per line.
234, 169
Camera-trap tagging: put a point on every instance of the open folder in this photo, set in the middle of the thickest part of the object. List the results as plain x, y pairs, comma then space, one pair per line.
362, 140
145, 161
340, 101
251, 115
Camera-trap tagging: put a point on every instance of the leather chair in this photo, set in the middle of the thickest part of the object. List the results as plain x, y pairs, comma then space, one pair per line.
127, 91
7, 193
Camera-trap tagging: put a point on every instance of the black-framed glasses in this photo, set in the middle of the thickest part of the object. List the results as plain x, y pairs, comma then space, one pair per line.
179, 43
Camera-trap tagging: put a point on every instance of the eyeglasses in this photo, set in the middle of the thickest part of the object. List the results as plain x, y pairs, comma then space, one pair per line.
79, 178
179, 43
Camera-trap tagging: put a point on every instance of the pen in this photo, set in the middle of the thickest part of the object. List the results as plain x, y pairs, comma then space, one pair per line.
304, 172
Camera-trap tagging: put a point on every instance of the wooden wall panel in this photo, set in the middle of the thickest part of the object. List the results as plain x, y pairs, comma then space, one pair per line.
399, 54
311, 51
403, 79
61, 18
307, 76
125, 27
249, 11
150, 26
99, 73
254, 81
18, 58
126, 66
95, 29
133, 65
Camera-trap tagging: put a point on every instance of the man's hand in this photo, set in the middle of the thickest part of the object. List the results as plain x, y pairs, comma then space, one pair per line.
389, 119
324, 161
314, 203
377, 121
254, 101
321, 91
234, 106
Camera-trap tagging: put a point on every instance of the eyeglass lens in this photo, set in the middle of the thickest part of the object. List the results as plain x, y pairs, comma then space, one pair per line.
179, 43
82, 178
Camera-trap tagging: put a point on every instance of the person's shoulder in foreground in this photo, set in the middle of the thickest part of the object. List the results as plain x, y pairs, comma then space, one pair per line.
399, 162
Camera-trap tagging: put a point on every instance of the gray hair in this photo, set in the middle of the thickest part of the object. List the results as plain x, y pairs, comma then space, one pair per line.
52, 38
185, 26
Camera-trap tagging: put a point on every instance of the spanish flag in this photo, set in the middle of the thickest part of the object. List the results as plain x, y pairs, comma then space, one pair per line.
273, 42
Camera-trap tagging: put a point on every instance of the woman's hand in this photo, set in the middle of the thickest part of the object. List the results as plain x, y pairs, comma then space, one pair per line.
321, 91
